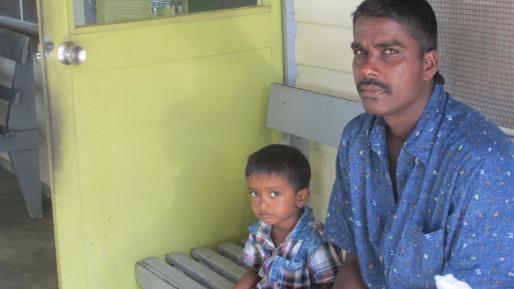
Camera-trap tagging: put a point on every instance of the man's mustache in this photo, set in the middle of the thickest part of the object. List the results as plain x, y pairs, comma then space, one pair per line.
371, 81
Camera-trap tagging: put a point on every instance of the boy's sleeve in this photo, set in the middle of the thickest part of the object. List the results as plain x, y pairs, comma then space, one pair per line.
323, 264
251, 254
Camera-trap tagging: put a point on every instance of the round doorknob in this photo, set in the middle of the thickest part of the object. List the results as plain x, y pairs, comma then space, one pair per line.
70, 54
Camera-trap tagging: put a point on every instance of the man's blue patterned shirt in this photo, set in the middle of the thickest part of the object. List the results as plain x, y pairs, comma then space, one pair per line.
455, 207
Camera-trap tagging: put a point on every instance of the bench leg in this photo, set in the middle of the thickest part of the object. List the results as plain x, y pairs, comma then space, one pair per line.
26, 167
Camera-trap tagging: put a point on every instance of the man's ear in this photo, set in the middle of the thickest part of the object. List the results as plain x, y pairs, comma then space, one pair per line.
430, 64
302, 197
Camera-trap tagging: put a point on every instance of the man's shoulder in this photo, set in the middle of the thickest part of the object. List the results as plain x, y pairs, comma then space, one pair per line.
471, 133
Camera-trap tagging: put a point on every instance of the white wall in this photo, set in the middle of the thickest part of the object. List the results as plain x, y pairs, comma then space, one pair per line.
324, 64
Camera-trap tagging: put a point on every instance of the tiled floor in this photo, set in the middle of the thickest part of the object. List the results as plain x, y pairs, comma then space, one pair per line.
27, 251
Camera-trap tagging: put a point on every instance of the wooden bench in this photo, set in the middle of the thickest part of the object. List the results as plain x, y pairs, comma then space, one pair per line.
297, 112
204, 269
18, 131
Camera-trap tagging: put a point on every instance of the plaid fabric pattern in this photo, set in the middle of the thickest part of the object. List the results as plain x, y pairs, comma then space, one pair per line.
303, 260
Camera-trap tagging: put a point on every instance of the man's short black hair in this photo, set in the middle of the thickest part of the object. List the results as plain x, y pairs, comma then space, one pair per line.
281, 160
416, 16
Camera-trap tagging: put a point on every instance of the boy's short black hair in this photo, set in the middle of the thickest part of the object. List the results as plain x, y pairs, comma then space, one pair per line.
416, 16
281, 160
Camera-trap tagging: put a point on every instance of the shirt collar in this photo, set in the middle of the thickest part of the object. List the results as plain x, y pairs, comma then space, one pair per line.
302, 223
263, 232
263, 235
420, 140
377, 137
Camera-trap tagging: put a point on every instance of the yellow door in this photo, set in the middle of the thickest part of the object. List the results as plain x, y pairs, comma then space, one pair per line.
150, 134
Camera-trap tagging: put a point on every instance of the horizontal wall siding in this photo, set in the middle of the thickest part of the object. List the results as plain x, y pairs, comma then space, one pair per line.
326, 12
324, 64
322, 159
323, 54
324, 46
326, 81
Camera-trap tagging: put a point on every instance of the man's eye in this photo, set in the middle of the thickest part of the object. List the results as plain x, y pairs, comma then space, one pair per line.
254, 194
359, 52
274, 194
390, 51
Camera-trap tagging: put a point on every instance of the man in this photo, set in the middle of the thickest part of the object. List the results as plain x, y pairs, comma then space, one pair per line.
424, 183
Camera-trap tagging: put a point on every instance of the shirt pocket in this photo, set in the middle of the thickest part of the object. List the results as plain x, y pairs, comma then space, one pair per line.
286, 273
419, 256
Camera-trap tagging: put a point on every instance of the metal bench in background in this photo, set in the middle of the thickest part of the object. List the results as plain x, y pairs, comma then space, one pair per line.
302, 113
18, 130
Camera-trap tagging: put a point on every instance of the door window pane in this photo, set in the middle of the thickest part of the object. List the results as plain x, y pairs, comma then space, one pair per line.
24, 10
88, 12
10, 8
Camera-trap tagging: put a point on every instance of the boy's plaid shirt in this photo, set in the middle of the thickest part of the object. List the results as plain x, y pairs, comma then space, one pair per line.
303, 260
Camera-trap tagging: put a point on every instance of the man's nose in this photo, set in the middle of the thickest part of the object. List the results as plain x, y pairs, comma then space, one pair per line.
370, 66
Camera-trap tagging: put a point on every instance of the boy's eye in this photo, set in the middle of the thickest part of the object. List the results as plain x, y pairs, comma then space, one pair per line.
274, 194
254, 194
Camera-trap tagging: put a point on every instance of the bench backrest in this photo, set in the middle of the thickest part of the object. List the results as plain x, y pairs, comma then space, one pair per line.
310, 115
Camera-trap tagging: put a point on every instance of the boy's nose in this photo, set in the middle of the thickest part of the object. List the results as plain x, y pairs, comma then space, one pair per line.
263, 202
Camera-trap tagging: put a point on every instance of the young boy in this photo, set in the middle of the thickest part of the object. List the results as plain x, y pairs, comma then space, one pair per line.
285, 248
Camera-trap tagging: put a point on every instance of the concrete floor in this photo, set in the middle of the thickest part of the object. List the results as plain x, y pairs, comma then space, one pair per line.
27, 250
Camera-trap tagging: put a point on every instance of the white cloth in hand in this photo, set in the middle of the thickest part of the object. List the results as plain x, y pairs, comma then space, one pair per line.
450, 282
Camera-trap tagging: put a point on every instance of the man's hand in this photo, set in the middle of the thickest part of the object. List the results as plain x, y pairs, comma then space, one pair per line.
349, 274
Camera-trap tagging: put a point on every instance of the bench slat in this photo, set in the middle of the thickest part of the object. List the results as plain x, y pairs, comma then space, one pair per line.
220, 264
199, 272
154, 273
233, 252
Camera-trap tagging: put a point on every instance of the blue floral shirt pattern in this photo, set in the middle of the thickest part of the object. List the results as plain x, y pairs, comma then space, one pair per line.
455, 207
303, 260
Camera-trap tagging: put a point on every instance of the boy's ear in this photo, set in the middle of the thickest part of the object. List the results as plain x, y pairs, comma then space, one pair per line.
302, 197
